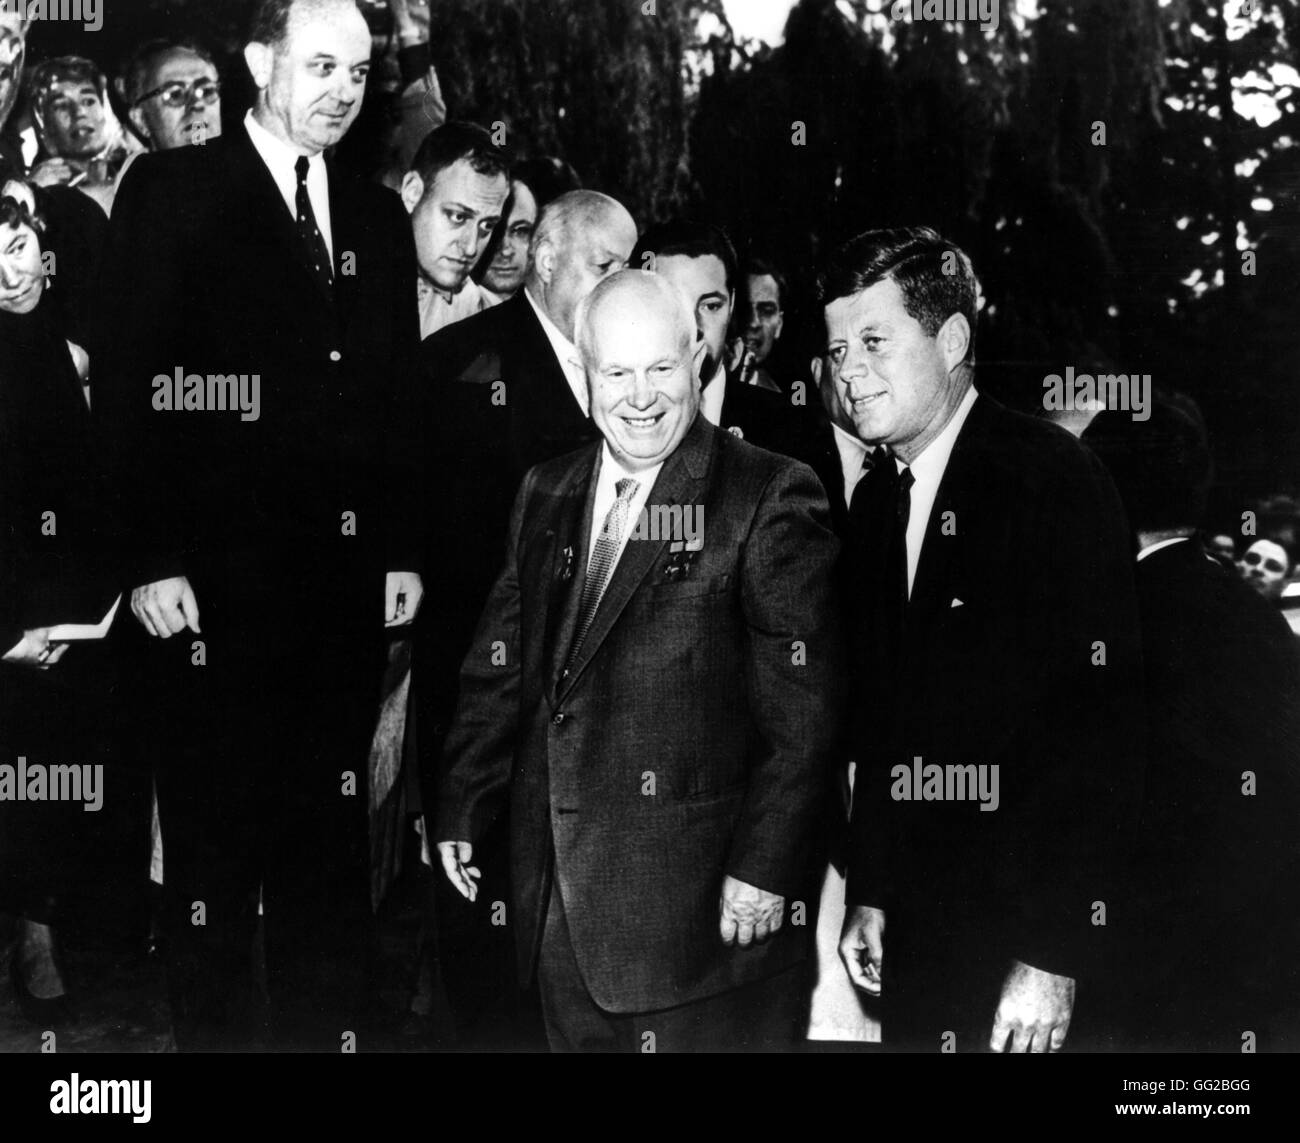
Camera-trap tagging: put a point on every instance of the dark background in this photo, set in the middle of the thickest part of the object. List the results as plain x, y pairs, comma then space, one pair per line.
1083, 250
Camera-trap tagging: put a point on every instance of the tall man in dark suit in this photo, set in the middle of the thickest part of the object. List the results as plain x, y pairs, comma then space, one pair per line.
656, 700
998, 674
505, 391
258, 376
700, 261
1211, 930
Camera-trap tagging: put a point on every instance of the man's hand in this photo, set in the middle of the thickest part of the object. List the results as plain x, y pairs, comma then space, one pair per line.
862, 946
748, 913
166, 607
1034, 1011
455, 863
36, 650
402, 594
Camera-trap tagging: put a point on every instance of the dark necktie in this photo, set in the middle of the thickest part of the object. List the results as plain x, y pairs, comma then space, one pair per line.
313, 245
871, 459
602, 563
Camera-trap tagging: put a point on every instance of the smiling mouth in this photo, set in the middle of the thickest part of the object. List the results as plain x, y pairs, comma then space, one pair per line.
870, 398
642, 422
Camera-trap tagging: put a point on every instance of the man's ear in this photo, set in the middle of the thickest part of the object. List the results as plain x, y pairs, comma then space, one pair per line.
412, 190
954, 340
544, 261
780, 325
258, 57
697, 359
136, 117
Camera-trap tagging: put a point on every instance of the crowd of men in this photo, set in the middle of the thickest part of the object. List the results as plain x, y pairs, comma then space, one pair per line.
694, 659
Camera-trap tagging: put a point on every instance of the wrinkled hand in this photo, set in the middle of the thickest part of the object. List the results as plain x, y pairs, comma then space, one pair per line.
403, 592
456, 856
166, 607
862, 946
1034, 1012
748, 913
34, 649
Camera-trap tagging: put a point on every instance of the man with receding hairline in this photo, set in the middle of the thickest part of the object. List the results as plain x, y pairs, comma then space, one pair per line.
263, 552
663, 717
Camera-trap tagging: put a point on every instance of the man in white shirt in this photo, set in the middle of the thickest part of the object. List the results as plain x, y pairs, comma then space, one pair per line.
988, 558
261, 548
664, 816
505, 390
455, 192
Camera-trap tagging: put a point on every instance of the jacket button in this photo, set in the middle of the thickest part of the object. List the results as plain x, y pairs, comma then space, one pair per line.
335, 355
558, 719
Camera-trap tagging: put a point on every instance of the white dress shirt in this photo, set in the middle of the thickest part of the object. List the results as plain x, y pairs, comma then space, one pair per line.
281, 160
438, 309
566, 353
712, 397
927, 472
611, 472
1160, 544
853, 456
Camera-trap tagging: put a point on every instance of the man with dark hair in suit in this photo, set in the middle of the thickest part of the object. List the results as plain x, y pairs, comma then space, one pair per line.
663, 712
256, 391
505, 391
763, 317
1210, 930
455, 191
700, 261
998, 676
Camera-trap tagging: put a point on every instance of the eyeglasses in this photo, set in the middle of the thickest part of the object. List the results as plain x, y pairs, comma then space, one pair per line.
177, 94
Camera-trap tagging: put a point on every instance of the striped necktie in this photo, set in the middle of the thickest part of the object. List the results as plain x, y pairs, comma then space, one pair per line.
602, 563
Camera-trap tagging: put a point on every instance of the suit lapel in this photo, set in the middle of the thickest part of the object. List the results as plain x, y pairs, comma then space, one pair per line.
932, 589
568, 567
680, 482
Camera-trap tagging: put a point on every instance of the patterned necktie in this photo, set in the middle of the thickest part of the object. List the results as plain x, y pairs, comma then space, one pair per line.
313, 245
602, 563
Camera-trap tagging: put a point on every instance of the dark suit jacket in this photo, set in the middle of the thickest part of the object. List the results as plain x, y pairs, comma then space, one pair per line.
998, 669
498, 403
769, 420
205, 274
690, 738
1214, 917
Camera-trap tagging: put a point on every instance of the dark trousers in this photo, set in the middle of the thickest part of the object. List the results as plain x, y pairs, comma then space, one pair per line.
767, 1016
266, 788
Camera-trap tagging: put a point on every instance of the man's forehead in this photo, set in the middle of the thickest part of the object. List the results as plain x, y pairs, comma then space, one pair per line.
331, 29
706, 272
461, 181
880, 302
1266, 549
181, 62
762, 288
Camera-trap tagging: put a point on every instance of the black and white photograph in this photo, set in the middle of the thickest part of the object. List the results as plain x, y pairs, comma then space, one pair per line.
650, 527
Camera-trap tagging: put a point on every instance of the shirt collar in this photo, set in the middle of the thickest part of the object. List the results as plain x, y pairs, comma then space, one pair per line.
1160, 544
565, 350
847, 442
611, 472
934, 457
275, 152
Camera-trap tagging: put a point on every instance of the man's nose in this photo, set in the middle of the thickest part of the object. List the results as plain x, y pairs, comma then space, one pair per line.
9, 277
643, 393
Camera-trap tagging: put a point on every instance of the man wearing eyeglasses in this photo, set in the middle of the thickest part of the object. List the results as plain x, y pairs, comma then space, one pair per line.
174, 94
